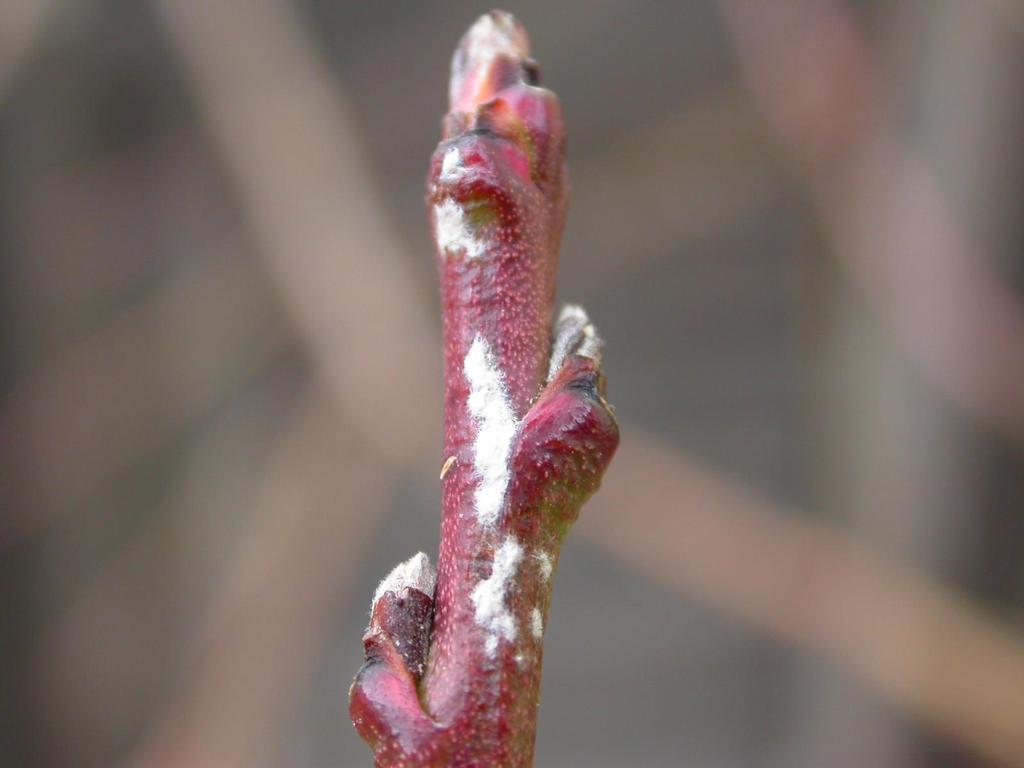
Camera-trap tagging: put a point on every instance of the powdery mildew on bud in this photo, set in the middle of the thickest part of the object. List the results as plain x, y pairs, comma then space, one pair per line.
488, 596
454, 234
415, 573
574, 335
491, 36
544, 564
488, 404
451, 165
537, 624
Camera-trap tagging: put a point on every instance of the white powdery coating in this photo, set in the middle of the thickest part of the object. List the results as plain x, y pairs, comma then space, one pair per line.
544, 564
487, 39
451, 167
414, 573
537, 624
574, 334
488, 596
496, 429
453, 232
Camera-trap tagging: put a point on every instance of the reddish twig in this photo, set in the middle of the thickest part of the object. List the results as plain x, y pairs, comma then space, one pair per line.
453, 678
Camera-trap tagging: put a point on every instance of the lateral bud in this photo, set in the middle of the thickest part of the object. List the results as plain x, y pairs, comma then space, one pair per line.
402, 612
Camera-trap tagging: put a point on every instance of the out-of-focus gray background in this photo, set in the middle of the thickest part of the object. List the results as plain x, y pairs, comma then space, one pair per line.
798, 223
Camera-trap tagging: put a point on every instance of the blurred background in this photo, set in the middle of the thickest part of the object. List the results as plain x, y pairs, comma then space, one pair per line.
799, 226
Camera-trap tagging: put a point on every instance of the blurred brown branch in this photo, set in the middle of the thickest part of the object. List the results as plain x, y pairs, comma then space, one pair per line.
918, 644
298, 555
283, 128
23, 24
884, 213
120, 382
91, 667
713, 144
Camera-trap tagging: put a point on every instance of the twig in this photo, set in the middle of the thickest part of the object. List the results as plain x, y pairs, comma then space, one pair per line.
525, 420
